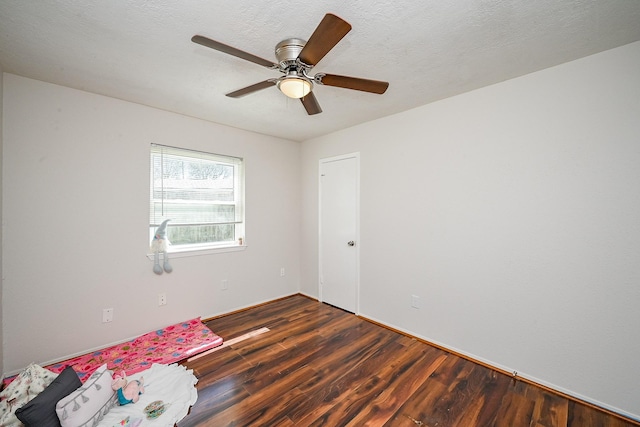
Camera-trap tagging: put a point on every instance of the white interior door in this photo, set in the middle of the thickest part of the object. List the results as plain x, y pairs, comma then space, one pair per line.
339, 254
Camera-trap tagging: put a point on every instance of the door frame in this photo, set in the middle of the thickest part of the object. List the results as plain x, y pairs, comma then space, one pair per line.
356, 156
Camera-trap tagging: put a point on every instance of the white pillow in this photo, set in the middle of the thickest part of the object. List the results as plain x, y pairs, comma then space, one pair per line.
27, 385
87, 405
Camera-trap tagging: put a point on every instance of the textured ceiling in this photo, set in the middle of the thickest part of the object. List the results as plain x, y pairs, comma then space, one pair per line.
141, 51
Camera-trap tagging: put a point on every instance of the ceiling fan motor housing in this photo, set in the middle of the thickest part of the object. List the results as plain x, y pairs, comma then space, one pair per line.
287, 52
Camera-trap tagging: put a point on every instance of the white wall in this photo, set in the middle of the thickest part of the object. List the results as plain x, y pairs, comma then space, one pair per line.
513, 212
76, 176
1, 229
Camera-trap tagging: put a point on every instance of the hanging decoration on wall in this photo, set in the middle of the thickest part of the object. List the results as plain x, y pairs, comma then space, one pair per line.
159, 245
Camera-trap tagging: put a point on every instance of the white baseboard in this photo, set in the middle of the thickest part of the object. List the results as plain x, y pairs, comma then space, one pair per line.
507, 370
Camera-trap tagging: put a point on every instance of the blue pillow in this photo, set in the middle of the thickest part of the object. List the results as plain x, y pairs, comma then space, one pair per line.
41, 410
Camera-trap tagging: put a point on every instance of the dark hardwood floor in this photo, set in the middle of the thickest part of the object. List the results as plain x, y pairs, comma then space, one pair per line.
320, 366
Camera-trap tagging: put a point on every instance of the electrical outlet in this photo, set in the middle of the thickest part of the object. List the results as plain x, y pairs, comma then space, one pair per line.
224, 284
282, 272
415, 301
107, 315
162, 299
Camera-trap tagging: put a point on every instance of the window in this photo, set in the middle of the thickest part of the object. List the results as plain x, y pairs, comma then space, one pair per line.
200, 193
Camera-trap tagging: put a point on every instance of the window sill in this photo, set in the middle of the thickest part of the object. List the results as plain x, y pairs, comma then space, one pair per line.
189, 252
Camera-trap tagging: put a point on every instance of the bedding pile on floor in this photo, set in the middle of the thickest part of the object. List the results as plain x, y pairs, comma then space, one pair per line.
64, 401
77, 392
167, 345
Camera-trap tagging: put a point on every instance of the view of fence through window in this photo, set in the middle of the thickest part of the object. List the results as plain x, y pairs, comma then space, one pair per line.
199, 192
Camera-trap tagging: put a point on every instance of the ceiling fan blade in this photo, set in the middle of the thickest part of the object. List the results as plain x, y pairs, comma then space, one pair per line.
328, 33
253, 88
311, 104
365, 85
221, 47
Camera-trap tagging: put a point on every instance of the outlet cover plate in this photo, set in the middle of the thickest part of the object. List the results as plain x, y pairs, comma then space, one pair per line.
107, 315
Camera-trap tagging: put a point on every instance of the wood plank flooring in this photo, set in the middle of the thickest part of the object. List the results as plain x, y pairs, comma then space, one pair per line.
321, 366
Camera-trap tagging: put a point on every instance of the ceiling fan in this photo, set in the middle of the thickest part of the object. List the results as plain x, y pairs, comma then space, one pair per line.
296, 58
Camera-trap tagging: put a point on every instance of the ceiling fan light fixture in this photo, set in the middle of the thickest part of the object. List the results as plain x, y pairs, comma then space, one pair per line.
294, 86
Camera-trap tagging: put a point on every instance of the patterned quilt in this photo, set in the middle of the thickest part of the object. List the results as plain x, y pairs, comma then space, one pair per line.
167, 345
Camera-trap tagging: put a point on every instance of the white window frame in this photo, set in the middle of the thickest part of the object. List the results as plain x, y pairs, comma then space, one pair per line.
156, 215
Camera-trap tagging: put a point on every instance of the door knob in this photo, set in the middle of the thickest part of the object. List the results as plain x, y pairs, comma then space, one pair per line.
351, 243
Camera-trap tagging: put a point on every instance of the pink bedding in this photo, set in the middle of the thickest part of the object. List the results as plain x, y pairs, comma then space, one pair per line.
167, 345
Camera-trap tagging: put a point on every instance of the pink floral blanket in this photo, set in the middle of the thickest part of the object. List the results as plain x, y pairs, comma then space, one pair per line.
168, 345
